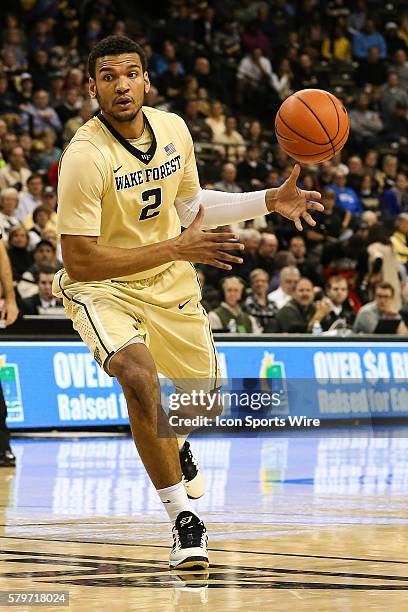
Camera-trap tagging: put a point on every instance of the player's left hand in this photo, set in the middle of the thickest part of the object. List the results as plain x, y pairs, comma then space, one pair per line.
292, 202
9, 312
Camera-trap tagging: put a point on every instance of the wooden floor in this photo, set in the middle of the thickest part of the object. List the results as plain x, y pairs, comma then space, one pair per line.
294, 523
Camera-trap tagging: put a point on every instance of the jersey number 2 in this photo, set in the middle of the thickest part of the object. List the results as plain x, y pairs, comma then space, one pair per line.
149, 211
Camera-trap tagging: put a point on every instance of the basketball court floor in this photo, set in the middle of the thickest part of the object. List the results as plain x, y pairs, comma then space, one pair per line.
296, 523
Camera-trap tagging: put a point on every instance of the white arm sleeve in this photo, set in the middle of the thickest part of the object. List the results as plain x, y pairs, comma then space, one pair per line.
222, 208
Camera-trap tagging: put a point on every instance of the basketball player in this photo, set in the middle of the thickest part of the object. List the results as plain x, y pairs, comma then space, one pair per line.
8, 314
128, 182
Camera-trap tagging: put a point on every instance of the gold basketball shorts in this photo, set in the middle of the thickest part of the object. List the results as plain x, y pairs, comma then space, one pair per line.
164, 312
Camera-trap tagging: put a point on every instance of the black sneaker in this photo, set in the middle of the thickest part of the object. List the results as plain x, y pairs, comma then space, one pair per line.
7, 459
190, 543
192, 477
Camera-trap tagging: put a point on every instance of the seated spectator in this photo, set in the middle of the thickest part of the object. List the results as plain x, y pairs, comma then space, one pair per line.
393, 40
8, 204
258, 304
255, 81
288, 278
394, 107
216, 121
355, 173
171, 82
41, 217
400, 66
306, 75
44, 254
396, 198
337, 47
39, 115
252, 171
301, 313
234, 147
70, 106
15, 173
341, 307
228, 179
399, 239
368, 194
30, 199
372, 70
199, 130
20, 257
251, 239
267, 250
346, 197
50, 153
388, 175
229, 316
331, 223
309, 268
382, 307
43, 300
366, 39
282, 80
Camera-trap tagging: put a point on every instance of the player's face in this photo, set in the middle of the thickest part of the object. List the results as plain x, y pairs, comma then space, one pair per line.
120, 85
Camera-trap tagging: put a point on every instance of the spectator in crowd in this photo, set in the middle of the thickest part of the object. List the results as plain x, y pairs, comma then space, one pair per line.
72, 125
396, 197
43, 299
20, 257
394, 107
252, 171
330, 223
50, 153
70, 106
267, 250
393, 40
210, 295
288, 278
366, 39
233, 149
346, 197
229, 316
365, 124
44, 254
255, 81
368, 194
337, 47
8, 205
41, 217
30, 199
307, 266
15, 173
216, 121
400, 67
39, 115
371, 71
258, 304
301, 313
199, 130
228, 179
341, 307
399, 239
382, 307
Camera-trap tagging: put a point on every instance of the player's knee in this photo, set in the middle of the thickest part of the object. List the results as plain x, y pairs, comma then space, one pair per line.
140, 383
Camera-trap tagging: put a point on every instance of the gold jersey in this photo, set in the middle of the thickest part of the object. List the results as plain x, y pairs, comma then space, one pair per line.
124, 195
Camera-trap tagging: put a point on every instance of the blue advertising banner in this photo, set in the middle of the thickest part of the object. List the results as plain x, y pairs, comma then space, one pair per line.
58, 384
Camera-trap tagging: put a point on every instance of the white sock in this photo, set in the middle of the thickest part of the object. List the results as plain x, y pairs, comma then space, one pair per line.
175, 500
180, 441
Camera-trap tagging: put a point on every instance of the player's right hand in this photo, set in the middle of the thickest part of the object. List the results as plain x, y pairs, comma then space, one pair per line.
209, 248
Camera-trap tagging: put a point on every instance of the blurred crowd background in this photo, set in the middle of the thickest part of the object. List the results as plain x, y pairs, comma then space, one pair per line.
225, 67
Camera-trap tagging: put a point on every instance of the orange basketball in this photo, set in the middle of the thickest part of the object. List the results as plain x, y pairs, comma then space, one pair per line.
312, 125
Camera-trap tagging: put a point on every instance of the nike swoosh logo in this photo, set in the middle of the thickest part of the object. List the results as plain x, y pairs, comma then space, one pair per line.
117, 169
182, 305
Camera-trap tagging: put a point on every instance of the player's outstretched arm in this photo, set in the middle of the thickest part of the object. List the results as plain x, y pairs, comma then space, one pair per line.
293, 203
85, 260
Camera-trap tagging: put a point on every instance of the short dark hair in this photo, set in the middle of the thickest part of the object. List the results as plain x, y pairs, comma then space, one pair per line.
46, 270
37, 211
34, 176
114, 45
44, 243
385, 286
